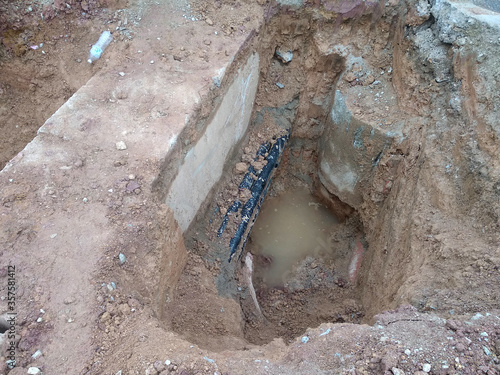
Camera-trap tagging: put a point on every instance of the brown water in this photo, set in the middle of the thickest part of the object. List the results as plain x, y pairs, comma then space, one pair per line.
289, 228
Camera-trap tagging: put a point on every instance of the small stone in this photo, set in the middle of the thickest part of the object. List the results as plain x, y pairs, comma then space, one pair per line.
39, 320
207, 42
37, 354
426, 367
34, 371
53, 235
209, 21
477, 316
407, 352
460, 347
159, 366
85, 200
133, 303
120, 93
132, 185
258, 165
241, 167
152, 62
280, 85
167, 362
369, 79
69, 300
122, 74
216, 81
349, 77
105, 317
78, 61
397, 371
304, 339
121, 146
480, 58
131, 176
284, 56
122, 258
453, 325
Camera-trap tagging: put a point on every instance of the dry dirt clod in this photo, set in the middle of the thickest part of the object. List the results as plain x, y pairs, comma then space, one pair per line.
241, 168
349, 77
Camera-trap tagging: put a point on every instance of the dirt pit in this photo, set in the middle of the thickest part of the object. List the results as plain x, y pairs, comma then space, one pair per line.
351, 115
351, 142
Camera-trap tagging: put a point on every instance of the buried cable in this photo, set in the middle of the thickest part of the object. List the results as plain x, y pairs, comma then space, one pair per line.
258, 191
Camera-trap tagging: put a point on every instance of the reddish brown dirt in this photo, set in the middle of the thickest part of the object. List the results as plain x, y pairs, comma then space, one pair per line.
43, 62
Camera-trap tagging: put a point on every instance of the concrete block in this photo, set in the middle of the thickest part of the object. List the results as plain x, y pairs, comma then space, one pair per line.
203, 164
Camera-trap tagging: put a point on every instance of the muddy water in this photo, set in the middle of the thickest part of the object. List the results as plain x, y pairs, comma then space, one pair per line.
289, 228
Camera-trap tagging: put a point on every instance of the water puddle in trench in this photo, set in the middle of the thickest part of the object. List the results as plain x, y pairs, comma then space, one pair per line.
288, 229
301, 257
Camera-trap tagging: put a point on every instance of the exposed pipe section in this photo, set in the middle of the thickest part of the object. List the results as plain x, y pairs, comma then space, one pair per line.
258, 189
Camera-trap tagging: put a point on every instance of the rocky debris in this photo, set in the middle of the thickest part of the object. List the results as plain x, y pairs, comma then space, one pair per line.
285, 56
241, 168
418, 13
159, 366
259, 164
426, 367
349, 77
369, 79
132, 186
121, 146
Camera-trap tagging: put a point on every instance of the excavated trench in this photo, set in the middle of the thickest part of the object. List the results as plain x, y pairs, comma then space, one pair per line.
310, 190
302, 261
